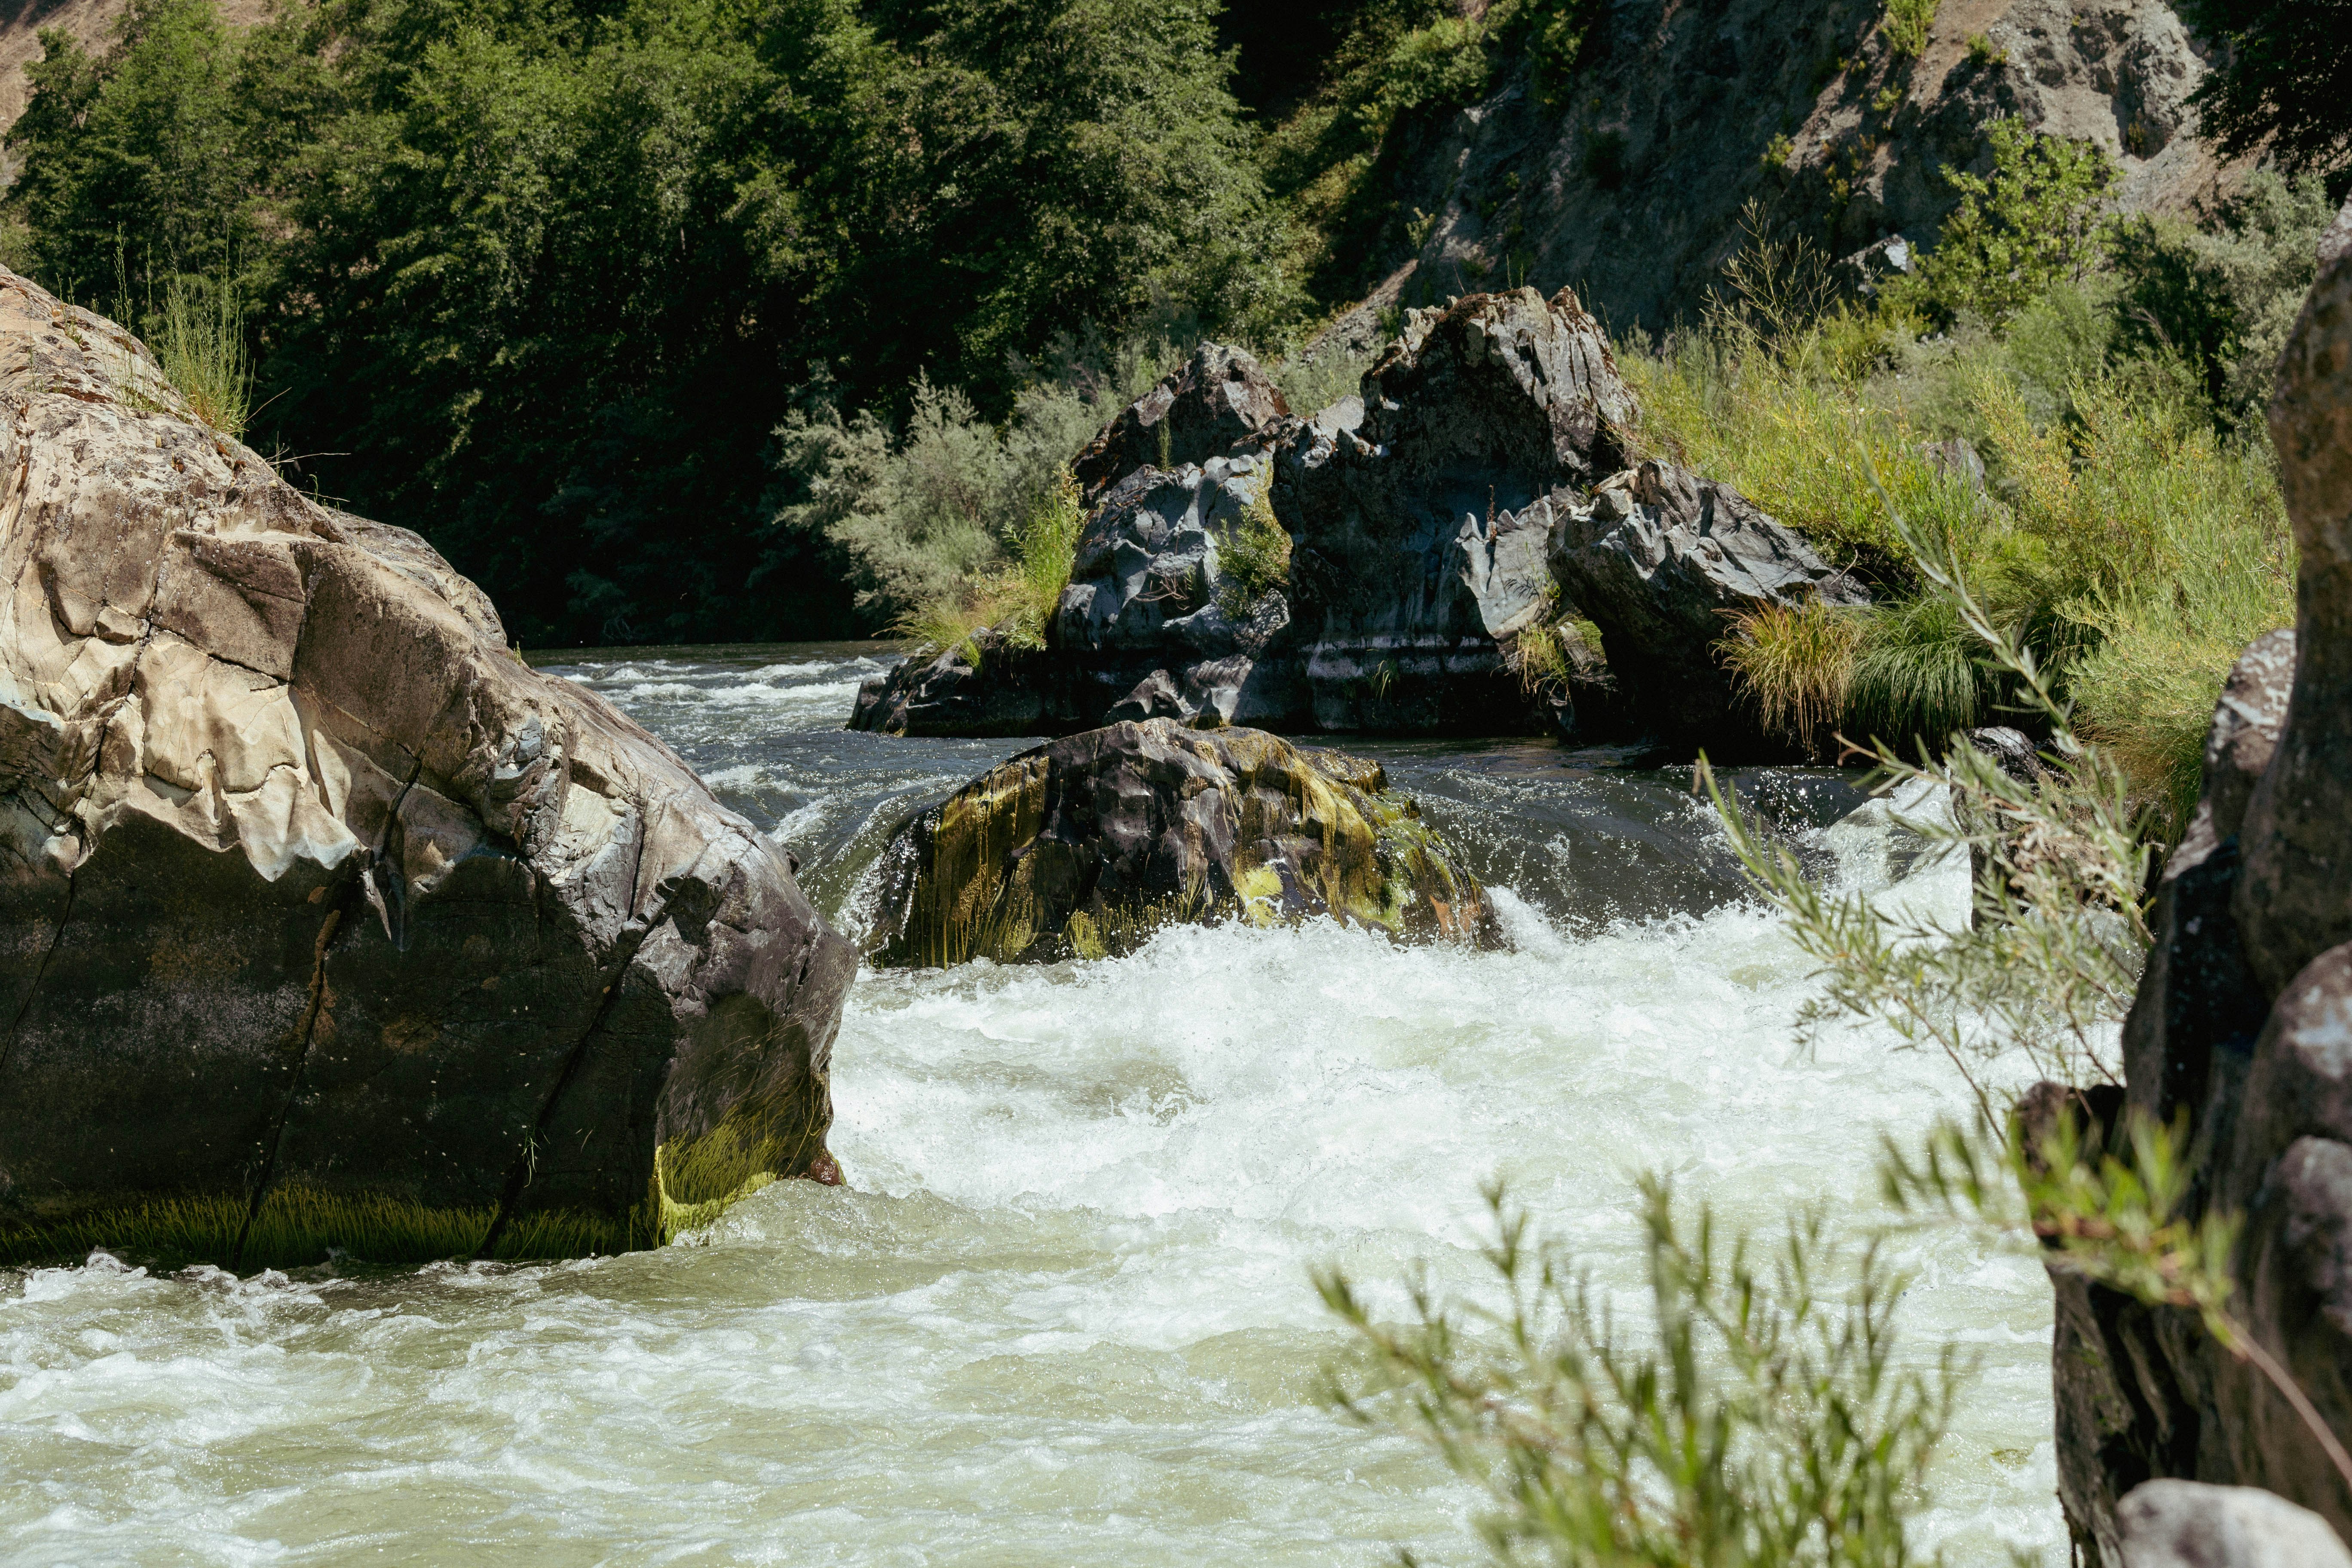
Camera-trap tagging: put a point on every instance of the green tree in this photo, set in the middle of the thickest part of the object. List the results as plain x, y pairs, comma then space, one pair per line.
142, 148
539, 277
2034, 221
2281, 82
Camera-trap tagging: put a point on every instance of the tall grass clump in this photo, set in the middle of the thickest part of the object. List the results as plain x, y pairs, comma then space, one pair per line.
1796, 661
198, 338
1253, 563
1756, 1413
1916, 678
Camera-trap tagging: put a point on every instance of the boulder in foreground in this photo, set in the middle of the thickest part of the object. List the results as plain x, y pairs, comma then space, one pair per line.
1088, 846
327, 923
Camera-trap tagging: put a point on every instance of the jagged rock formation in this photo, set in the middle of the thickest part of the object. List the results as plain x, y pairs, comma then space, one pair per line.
318, 903
2244, 1023
1216, 401
1657, 560
1628, 180
1088, 844
1413, 549
1417, 515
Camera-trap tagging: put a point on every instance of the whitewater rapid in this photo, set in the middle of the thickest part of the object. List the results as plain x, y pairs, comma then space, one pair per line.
1063, 1313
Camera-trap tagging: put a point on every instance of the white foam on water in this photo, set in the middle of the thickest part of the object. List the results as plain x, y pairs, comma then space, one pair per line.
1063, 1315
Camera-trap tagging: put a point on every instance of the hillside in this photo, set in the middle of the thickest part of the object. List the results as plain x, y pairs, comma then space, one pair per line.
631, 309
1627, 180
21, 22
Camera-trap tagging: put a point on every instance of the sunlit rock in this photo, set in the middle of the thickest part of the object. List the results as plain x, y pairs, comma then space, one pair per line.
329, 923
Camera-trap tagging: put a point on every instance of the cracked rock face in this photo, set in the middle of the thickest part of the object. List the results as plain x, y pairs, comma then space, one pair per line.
1658, 560
1419, 530
1203, 409
312, 888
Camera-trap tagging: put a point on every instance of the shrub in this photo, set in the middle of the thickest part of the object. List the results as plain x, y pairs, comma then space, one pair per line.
1253, 563
2223, 299
1982, 51
2033, 221
1018, 599
924, 517
1908, 24
1759, 1416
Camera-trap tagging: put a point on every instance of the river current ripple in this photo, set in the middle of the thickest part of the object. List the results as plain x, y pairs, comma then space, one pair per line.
1061, 1314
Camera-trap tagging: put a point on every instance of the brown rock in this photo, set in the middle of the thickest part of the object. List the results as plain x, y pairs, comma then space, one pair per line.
320, 904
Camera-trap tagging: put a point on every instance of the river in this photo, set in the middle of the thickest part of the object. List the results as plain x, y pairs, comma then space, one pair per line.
1061, 1313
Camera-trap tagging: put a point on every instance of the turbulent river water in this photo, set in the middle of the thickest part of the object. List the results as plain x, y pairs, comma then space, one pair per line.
1062, 1312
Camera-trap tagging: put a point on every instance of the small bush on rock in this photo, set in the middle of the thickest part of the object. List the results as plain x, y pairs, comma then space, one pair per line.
1253, 563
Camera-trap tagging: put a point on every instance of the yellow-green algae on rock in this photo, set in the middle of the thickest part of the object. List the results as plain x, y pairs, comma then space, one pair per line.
1088, 845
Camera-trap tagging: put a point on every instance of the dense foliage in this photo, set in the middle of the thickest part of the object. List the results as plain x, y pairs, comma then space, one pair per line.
542, 275
2282, 79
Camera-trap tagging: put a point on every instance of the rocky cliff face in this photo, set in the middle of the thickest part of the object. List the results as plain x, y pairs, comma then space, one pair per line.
2243, 1024
1631, 185
312, 891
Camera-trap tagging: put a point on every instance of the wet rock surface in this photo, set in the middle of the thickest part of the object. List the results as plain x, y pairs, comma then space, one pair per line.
1088, 844
313, 891
2243, 1025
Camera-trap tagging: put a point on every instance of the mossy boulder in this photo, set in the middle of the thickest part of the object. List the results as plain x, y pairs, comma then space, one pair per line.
1086, 845
326, 925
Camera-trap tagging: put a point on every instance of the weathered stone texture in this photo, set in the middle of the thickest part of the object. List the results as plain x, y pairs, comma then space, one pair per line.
308, 879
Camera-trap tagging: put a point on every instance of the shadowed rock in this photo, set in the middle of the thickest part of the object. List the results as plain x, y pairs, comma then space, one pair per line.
1203, 409
1419, 532
1659, 560
1088, 844
328, 921
2242, 1023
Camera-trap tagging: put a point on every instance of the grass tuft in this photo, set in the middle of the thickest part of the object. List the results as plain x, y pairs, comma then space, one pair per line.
1796, 662
1253, 563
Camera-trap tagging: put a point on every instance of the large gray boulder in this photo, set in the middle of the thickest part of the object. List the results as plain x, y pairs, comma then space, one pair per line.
327, 923
1659, 559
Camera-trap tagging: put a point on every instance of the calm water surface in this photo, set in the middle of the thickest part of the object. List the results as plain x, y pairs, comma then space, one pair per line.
1062, 1315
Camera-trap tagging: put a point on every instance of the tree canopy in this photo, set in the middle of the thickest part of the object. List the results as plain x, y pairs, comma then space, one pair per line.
538, 276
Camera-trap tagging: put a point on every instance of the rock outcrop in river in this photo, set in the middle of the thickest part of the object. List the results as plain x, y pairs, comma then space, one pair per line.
1429, 522
1088, 844
328, 921
2243, 1025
